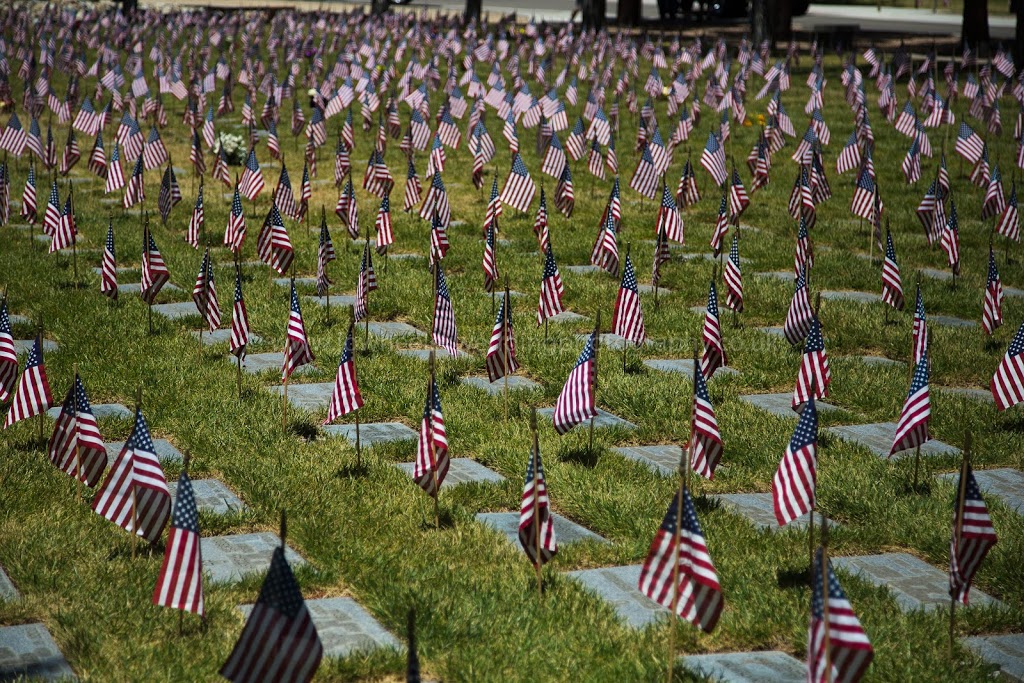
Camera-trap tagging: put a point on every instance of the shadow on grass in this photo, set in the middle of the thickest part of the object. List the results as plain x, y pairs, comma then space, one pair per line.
304, 430
793, 577
922, 488
123, 551
72, 284
705, 503
992, 344
445, 520
352, 471
587, 457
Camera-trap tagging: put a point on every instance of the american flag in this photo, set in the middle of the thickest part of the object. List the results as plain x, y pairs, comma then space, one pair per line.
849, 157
296, 348
28, 195
645, 177
814, 368
849, 651
412, 187
1009, 221
678, 573
721, 226
347, 209
154, 153
714, 355
973, 535
435, 205
969, 144
565, 195
385, 232
154, 272
135, 189
180, 584
14, 137
803, 257
536, 525
605, 254
76, 447
950, 241
713, 159
911, 166
661, 256
220, 168
366, 283
798, 319
273, 244
628, 318
554, 158
892, 284
346, 397
687, 192
108, 266
432, 459
912, 428
705, 439
71, 154
739, 200
437, 158
519, 187
920, 330
540, 223
204, 293
234, 234
501, 351
325, 254
576, 143
51, 220
443, 331
576, 401
197, 220
170, 193
251, 183
8, 354
134, 495
66, 232
284, 197
98, 158
493, 211
595, 161
551, 289
992, 313
279, 641
600, 128
239, 320
793, 486
490, 266
864, 196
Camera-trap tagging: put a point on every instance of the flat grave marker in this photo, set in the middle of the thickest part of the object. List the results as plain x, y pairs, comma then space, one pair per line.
29, 651
951, 321
177, 311
211, 495
24, 346
227, 559
373, 433
759, 509
424, 354
975, 394
603, 420
566, 530
165, 450
683, 366
747, 667
312, 396
780, 405
851, 295
1006, 651
255, 363
661, 459
1004, 483
496, 388
579, 270
334, 301
567, 317
136, 288
101, 410
7, 589
880, 361
221, 336
878, 437
608, 340
460, 471
394, 330
617, 587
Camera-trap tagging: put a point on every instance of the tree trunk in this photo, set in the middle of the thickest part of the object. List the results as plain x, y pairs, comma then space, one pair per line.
760, 23
473, 8
629, 13
975, 27
783, 25
592, 13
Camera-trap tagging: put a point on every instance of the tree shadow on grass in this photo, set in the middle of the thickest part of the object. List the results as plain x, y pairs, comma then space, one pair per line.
793, 577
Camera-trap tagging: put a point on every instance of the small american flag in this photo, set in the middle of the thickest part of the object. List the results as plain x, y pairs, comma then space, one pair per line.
273, 245
678, 573
595, 161
814, 369
204, 293
912, 428
551, 289
346, 397
8, 354
519, 187
108, 266
170, 193
803, 257
713, 159
134, 495
973, 536
849, 651
739, 200
721, 226
793, 486
28, 195
490, 266
661, 256
540, 223
234, 234
733, 277
239, 321
443, 331
135, 189
325, 254
76, 447
849, 157
432, 459
576, 143
798, 319
1009, 221
296, 348
554, 158
950, 241
154, 272
705, 439
197, 220
575, 403
992, 312
385, 231
892, 284
714, 356
51, 219
565, 195
969, 144
501, 351
919, 333
251, 183
864, 196
645, 177
98, 158
536, 525
284, 197
687, 192
628, 318
180, 584
366, 283
435, 205
605, 254
279, 641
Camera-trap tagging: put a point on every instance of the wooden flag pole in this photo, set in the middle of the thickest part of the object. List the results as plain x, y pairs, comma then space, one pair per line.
824, 599
74, 240
359, 448
185, 460
629, 247
507, 304
810, 520
597, 343
135, 504
284, 403
146, 257
430, 434
536, 505
42, 414
684, 480
958, 528
78, 448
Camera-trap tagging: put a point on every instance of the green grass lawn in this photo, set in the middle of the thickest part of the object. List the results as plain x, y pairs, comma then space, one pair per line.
369, 534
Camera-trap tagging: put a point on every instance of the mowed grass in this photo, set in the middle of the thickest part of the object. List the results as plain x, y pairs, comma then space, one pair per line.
369, 533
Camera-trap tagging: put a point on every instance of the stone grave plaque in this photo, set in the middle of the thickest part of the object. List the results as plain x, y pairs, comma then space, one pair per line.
7, 589
344, 627
775, 331
17, 319
24, 346
211, 496
165, 450
1004, 483
683, 366
983, 395
230, 558
567, 317
780, 404
783, 275
649, 289
424, 354
851, 295
461, 471
937, 274
579, 270
405, 257
914, 583
373, 433
881, 361
951, 321
222, 336
617, 587
136, 288
603, 420
662, 459
1013, 292
120, 270
760, 511
336, 300
515, 383
607, 340
566, 530
1005, 651
101, 410
29, 650
299, 281
306, 396
394, 330
877, 437
177, 311
256, 363
747, 667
